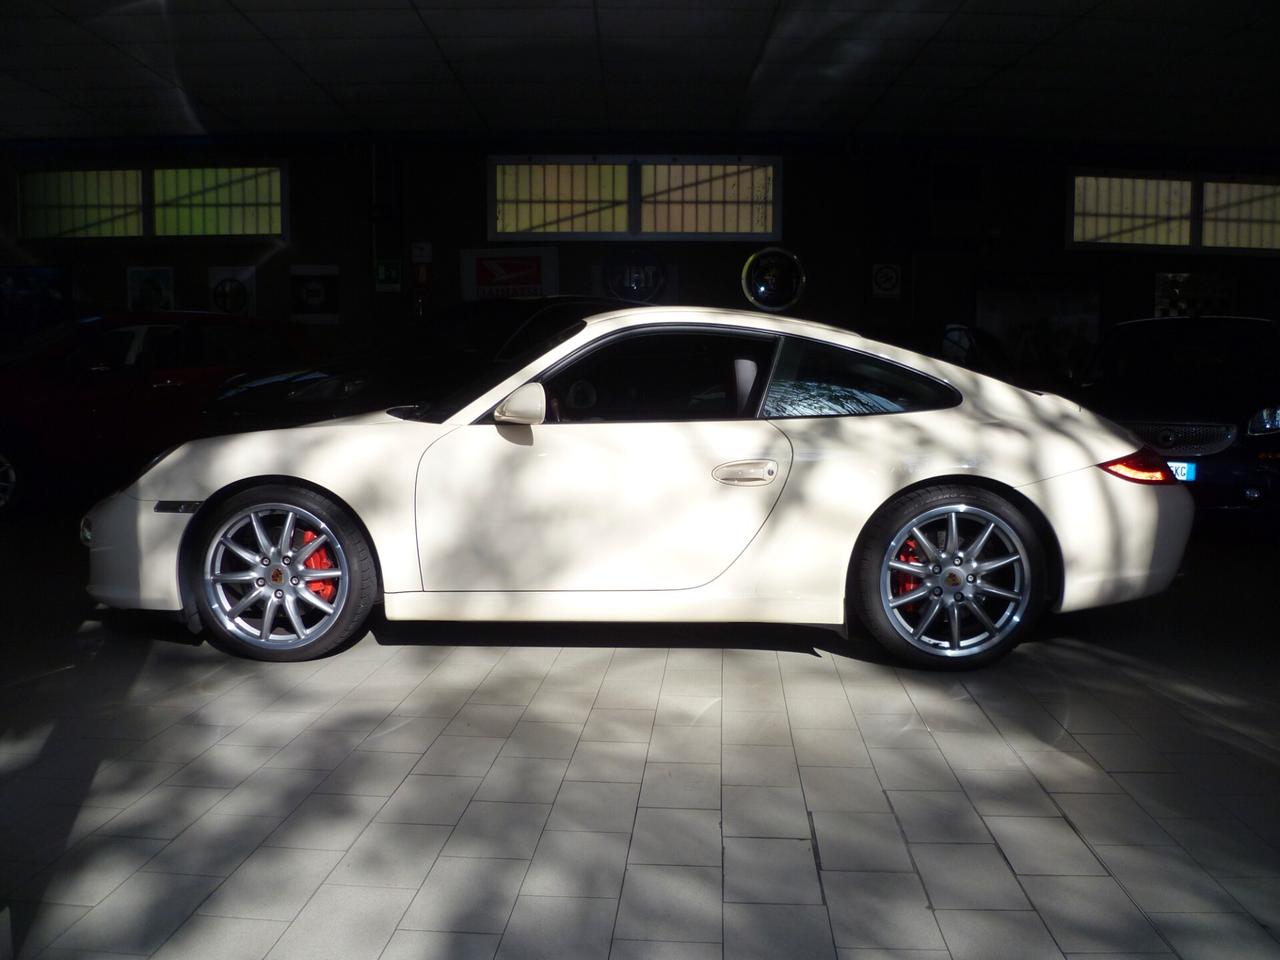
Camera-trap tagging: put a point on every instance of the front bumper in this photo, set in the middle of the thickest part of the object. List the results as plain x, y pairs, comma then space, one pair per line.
1240, 478
133, 554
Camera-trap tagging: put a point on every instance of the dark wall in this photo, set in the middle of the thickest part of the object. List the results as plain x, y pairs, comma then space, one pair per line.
979, 232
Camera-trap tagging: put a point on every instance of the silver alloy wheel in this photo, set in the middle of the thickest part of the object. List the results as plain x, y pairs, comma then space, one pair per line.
259, 585
955, 580
8, 480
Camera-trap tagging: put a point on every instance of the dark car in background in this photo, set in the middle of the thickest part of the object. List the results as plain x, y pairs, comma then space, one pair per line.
411, 365
1204, 392
85, 403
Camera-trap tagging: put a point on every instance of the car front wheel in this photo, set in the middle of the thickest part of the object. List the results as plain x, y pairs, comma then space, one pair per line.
950, 576
282, 573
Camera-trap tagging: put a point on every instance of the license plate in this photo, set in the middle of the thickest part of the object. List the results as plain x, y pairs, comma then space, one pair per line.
1183, 470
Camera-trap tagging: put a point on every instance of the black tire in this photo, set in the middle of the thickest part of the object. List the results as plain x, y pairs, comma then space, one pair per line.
354, 595
874, 588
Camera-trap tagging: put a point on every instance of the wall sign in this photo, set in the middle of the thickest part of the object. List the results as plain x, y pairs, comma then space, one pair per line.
773, 279
886, 280
314, 292
233, 290
387, 274
150, 288
634, 277
491, 274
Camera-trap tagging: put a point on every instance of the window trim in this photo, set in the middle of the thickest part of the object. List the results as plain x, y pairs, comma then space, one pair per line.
957, 396
148, 206
634, 233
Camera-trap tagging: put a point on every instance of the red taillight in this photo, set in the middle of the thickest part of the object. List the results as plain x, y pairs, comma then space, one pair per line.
1144, 466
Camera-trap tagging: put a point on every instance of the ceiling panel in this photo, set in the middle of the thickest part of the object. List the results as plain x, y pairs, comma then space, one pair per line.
688, 22
865, 25
339, 24
821, 48
158, 28
569, 22
992, 28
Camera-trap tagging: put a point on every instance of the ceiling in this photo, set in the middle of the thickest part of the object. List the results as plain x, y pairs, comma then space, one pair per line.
1155, 71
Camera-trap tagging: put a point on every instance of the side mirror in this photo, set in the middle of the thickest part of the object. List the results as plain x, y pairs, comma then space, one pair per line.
527, 405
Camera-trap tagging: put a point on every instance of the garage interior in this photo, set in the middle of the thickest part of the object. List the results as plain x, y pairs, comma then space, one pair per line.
1001, 184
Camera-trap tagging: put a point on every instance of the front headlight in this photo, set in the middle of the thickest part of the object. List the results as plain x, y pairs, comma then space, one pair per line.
1266, 420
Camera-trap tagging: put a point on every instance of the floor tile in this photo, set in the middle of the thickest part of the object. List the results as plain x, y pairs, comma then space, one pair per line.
509, 689
1091, 915
670, 903
400, 734
601, 807
1060, 772
467, 895
619, 725
343, 923
269, 793
913, 769
369, 773
676, 711
1123, 753
90, 870
491, 830
484, 720
459, 756
391, 855
942, 816
1165, 879
820, 715
759, 931
315, 750
751, 766
770, 871
866, 842
326, 822
222, 938
27, 928
163, 813
1224, 847
676, 837
608, 762
555, 927
1217, 936
1260, 897
222, 765
886, 910
755, 728
684, 785
213, 846
554, 740
663, 950
1111, 818
685, 745
435, 945
967, 876
897, 731
765, 812
577, 864
1007, 793
523, 779
1043, 845
139, 915
274, 883
820, 748
997, 935
429, 799
433, 700
848, 789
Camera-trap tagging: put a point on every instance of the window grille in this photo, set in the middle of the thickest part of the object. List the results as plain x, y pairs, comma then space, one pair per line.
1242, 215
1132, 210
218, 202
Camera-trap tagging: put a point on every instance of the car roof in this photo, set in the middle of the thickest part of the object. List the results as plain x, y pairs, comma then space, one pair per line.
676, 315
1185, 316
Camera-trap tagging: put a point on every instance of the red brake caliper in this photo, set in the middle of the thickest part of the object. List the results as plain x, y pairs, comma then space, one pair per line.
906, 582
319, 560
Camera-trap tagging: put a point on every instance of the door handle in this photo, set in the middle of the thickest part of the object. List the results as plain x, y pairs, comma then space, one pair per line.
746, 473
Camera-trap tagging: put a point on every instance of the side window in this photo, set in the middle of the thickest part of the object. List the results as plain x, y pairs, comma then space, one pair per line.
162, 347
815, 379
672, 375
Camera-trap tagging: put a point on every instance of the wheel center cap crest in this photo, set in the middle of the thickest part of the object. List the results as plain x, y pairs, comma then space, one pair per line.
952, 579
277, 576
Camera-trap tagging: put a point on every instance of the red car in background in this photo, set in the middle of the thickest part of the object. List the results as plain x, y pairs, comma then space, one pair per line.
85, 404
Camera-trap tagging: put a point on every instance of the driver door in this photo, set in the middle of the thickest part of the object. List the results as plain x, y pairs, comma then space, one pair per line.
651, 473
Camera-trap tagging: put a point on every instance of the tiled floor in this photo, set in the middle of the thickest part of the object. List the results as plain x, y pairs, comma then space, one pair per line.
637, 794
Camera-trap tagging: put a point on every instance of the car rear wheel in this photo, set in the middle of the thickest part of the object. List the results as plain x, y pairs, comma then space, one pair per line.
950, 576
282, 573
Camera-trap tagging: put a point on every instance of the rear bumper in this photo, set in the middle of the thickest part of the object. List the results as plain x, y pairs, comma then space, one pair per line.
133, 554
1119, 540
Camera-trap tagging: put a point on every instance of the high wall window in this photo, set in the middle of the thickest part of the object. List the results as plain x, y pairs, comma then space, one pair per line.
1193, 213
82, 203
161, 202
218, 202
635, 198
1151, 212
1242, 215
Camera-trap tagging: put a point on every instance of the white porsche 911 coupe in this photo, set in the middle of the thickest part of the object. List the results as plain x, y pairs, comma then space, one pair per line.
659, 464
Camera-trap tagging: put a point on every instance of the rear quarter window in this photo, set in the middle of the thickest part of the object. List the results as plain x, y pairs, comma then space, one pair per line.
814, 379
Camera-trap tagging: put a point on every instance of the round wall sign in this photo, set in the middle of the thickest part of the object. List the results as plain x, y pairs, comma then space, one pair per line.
773, 278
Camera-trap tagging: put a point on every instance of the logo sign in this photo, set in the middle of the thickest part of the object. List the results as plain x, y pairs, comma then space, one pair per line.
231, 290
314, 292
773, 279
635, 278
387, 273
886, 280
492, 274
